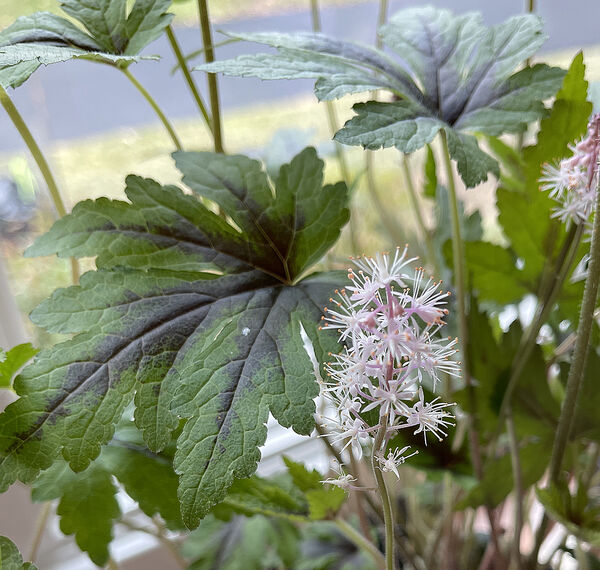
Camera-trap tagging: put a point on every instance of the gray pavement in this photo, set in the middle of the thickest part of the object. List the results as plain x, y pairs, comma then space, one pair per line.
78, 98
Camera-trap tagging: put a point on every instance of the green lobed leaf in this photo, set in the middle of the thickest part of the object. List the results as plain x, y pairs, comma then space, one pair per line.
13, 360
574, 512
10, 557
274, 497
87, 504
324, 501
524, 211
450, 72
148, 478
472, 163
586, 417
494, 273
497, 480
220, 349
401, 124
256, 543
112, 35
87, 508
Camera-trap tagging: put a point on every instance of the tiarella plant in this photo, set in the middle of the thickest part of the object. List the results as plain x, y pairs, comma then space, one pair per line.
217, 302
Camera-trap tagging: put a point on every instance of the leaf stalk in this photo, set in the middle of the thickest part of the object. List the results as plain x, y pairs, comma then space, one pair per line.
188, 78
213, 87
154, 105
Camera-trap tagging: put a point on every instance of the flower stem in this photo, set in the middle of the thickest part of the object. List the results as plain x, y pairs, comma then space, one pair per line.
42, 163
582, 344
568, 411
188, 77
154, 105
359, 540
385, 497
213, 88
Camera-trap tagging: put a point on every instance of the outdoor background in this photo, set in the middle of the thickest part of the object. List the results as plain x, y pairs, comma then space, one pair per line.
96, 129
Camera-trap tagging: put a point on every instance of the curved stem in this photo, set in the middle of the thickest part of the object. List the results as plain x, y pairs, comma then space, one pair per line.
568, 410
385, 497
42, 163
213, 88
40, 528
582, 345
359, 540
154, 105
188, 77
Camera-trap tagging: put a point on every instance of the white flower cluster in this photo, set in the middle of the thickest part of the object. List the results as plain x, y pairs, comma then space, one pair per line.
389, 322
573, 182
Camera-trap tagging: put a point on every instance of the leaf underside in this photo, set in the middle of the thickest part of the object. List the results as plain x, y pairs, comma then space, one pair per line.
187, 315
445, 72
108, 34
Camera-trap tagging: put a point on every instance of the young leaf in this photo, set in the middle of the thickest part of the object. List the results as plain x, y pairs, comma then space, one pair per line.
10, 557
88, 506
111, 36
451, 72
323, 500
256, 543
221, 349
497, 480
574, 512
13, 360
524, 211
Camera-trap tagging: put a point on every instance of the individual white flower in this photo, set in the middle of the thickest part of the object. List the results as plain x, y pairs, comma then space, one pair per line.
429, 417
394, 459
377, 272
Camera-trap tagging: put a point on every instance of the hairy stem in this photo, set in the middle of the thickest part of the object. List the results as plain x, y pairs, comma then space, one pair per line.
362, 542
568, 410
154, 105
41, 162
580, 352
213, 87
188, 77
388, 516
